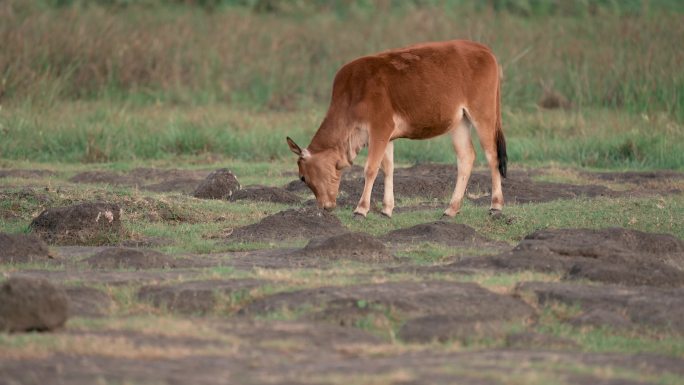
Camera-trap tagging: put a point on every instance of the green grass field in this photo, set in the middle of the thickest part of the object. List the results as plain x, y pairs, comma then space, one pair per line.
116, 85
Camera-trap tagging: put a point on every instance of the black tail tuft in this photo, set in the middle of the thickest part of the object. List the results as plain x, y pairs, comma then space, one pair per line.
501, 151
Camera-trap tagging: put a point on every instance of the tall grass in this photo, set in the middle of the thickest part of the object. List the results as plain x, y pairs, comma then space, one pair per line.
284, 61
83, 81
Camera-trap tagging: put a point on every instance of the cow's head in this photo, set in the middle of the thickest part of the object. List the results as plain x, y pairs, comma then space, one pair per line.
321, 171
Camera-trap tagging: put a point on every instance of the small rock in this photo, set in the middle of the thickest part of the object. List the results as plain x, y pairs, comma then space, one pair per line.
30, 304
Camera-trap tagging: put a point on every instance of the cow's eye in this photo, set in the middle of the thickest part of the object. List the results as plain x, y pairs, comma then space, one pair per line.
302, 178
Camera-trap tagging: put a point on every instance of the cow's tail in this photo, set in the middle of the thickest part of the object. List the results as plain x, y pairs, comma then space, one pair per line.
499, 135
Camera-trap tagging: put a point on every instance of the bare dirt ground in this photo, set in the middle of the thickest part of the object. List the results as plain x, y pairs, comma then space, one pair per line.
297, 296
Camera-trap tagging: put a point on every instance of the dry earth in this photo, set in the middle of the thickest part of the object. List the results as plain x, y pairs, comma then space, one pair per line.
324, 305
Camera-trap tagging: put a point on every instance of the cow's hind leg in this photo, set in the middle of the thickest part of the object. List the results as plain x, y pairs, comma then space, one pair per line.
486, 131
465, 154
388, 169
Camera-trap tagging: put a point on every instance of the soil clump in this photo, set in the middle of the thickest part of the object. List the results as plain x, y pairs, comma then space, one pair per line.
220, 184
444, 232
81, 224
356, 246
614, 255
28, 304
196, 296
23, 248
307, 223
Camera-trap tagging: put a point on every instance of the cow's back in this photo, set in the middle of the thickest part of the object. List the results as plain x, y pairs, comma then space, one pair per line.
424, 84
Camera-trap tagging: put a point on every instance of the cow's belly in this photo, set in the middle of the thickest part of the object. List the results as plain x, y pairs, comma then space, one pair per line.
402, 129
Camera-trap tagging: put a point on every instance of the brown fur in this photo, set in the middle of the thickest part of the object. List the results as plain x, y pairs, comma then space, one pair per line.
417, 92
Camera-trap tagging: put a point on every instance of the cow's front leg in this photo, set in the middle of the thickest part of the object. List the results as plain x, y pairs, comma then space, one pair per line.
376, 151
388, 169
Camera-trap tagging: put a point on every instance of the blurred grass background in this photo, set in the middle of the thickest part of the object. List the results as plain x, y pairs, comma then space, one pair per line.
111, 80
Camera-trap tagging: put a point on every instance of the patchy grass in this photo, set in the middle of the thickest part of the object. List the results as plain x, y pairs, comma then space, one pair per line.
605, 339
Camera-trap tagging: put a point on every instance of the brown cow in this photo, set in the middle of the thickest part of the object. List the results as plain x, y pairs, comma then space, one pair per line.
417, 92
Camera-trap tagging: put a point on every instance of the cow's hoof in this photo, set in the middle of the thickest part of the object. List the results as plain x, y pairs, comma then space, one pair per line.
359, 216
448, 214
384, 214
495, 214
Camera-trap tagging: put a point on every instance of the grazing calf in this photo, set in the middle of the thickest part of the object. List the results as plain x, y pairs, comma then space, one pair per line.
417, 92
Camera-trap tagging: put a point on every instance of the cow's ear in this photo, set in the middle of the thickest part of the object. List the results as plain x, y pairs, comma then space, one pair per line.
294, 147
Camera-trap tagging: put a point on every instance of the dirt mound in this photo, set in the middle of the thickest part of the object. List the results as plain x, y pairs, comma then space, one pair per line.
458, 308
348, 246
307, 223
615, 305
23, 248
196, 296
220, 184
81, 224
448, 233
28, 304
125, 258
266, 194
88, 302
26, 174
614, 255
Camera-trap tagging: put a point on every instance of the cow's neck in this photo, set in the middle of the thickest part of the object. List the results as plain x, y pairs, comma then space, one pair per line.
343, 138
